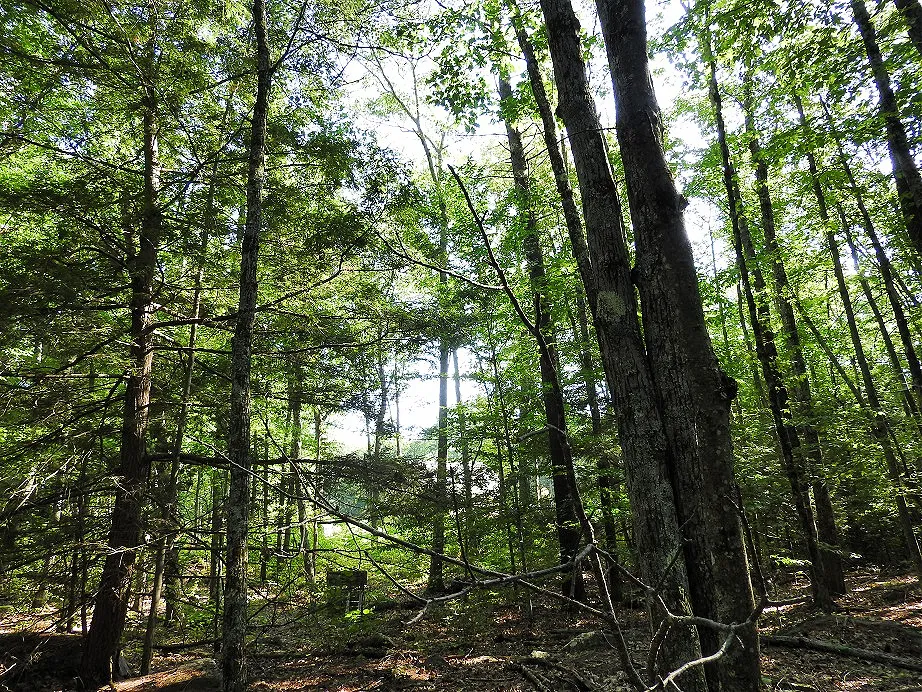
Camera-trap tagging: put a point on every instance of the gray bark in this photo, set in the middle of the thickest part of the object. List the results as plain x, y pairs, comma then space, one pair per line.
233, 653
905, 172
625, 360
693, 392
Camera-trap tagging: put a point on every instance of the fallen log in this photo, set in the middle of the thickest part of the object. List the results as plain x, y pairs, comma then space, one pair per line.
842, 650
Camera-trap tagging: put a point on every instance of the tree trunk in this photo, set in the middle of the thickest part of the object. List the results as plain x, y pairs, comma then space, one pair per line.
905, 172
754, 290
233, 653
693, 391
215, 571
555, 156
436, 580
102, 640
911, 11
568, 528
466, 468
909, 403
886, 271
880, 426
830, 567
624, 357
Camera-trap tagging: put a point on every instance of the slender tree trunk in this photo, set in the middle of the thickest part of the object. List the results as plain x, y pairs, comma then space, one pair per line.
624, 357
830, 567
568, 528
561, 178
606, 461
909, 403
880, 426
295, 401
466, 470
166, 560
436, 580
905, 172
233, 653
693, 391
102, 641
754, 290
886, 271
215, 571
911, 11
148, 647
380, 414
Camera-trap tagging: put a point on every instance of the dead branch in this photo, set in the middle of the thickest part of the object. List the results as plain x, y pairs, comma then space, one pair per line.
843, 650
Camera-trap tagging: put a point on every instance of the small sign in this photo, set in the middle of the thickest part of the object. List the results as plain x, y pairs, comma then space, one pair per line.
353, 578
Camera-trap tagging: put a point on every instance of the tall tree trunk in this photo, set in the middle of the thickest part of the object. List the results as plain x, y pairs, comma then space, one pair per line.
580, 251
568, 528
909, 403
295, 398
111, 604
606, 461
754, 290
215, 571
830, 567
373, 500
905, 172
555, 156
166, 560
233, 653
911, 11
880, 426
624, 357
436, 580
886, 270
693, 391
466, 469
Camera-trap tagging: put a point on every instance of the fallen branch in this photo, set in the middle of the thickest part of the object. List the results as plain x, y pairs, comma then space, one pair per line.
174, 648
532, 677
843, 650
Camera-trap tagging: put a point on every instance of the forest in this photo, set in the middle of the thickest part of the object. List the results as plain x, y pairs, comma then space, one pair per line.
460, 345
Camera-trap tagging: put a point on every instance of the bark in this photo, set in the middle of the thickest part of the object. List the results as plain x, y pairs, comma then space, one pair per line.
294, 402
218, 509
558, 167
880, 426
565, 492
693, 391
640, 426
436, 580
830, 567
905, 172
233, 653
111, 604
911, 12
580, 250
466, 466
909, 403
887, 273
754, 290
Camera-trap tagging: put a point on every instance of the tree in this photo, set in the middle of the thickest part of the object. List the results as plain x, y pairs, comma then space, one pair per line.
233, 651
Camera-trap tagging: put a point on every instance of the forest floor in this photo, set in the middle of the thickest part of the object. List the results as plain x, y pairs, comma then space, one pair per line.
485, 644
